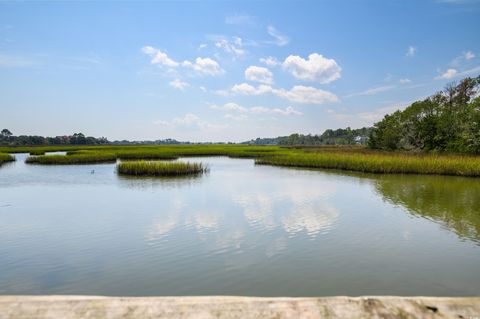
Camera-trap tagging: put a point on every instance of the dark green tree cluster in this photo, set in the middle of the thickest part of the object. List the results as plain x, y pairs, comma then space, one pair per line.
7, 138
448, 121
329, 137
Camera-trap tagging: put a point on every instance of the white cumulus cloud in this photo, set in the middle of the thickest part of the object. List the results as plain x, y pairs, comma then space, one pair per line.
306, 95
315, 68
247, 89
299, 93
270, 61
450, 73
179, 84
159, 57
259, 74
205, 66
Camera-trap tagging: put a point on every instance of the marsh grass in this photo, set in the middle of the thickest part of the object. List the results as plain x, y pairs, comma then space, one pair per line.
354, 158
381, 163
37, 152
156, 168
5, 158
92, 158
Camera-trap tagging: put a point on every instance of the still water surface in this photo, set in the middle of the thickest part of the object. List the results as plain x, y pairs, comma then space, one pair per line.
241, 229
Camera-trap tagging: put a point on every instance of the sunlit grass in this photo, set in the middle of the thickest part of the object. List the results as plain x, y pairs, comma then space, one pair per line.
96, 154
37, 152
381, 163
91, 158
354, 158
155, 168
4, 158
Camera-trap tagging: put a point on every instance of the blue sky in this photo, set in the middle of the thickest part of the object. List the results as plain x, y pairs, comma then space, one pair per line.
225, 71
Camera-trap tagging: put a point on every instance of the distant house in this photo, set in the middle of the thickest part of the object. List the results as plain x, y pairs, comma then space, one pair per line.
361, 139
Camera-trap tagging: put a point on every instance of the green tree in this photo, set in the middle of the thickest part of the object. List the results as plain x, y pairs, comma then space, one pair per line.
6, 133
447, 121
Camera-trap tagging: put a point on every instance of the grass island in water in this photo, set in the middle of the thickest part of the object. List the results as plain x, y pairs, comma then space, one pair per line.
90, 158
156, 168
353, 158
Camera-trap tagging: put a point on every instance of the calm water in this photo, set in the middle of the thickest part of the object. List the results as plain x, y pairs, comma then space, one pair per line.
239, 230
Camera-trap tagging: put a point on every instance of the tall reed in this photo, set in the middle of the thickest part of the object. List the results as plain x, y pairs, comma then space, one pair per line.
37, 152
156, 168
381, 163
91, 158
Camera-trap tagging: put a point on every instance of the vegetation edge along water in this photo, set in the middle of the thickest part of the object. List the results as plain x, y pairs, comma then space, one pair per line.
381, 163
4, 158
152, 168
354, 158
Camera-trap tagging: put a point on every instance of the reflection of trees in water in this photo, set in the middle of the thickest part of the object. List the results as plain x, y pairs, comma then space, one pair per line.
453, 201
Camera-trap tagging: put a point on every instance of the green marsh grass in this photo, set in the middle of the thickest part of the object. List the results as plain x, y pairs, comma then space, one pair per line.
386, 163
4, 158
37, 152
91, 158
354, 158
156, 168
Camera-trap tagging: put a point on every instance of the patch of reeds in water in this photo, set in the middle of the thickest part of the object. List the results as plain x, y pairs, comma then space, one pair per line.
4, 158
37, 152
91, 158
157, 168
381, 163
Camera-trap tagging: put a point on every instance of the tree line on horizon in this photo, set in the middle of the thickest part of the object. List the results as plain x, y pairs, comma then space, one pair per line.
8, 139
448, 121
340, 136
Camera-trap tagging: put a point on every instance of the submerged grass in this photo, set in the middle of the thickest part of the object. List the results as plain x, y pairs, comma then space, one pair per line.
381, 163
72, 159
4, 158
149, 168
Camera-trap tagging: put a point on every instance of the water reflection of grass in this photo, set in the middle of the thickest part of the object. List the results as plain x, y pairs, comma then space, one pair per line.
152, 182
452, 201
